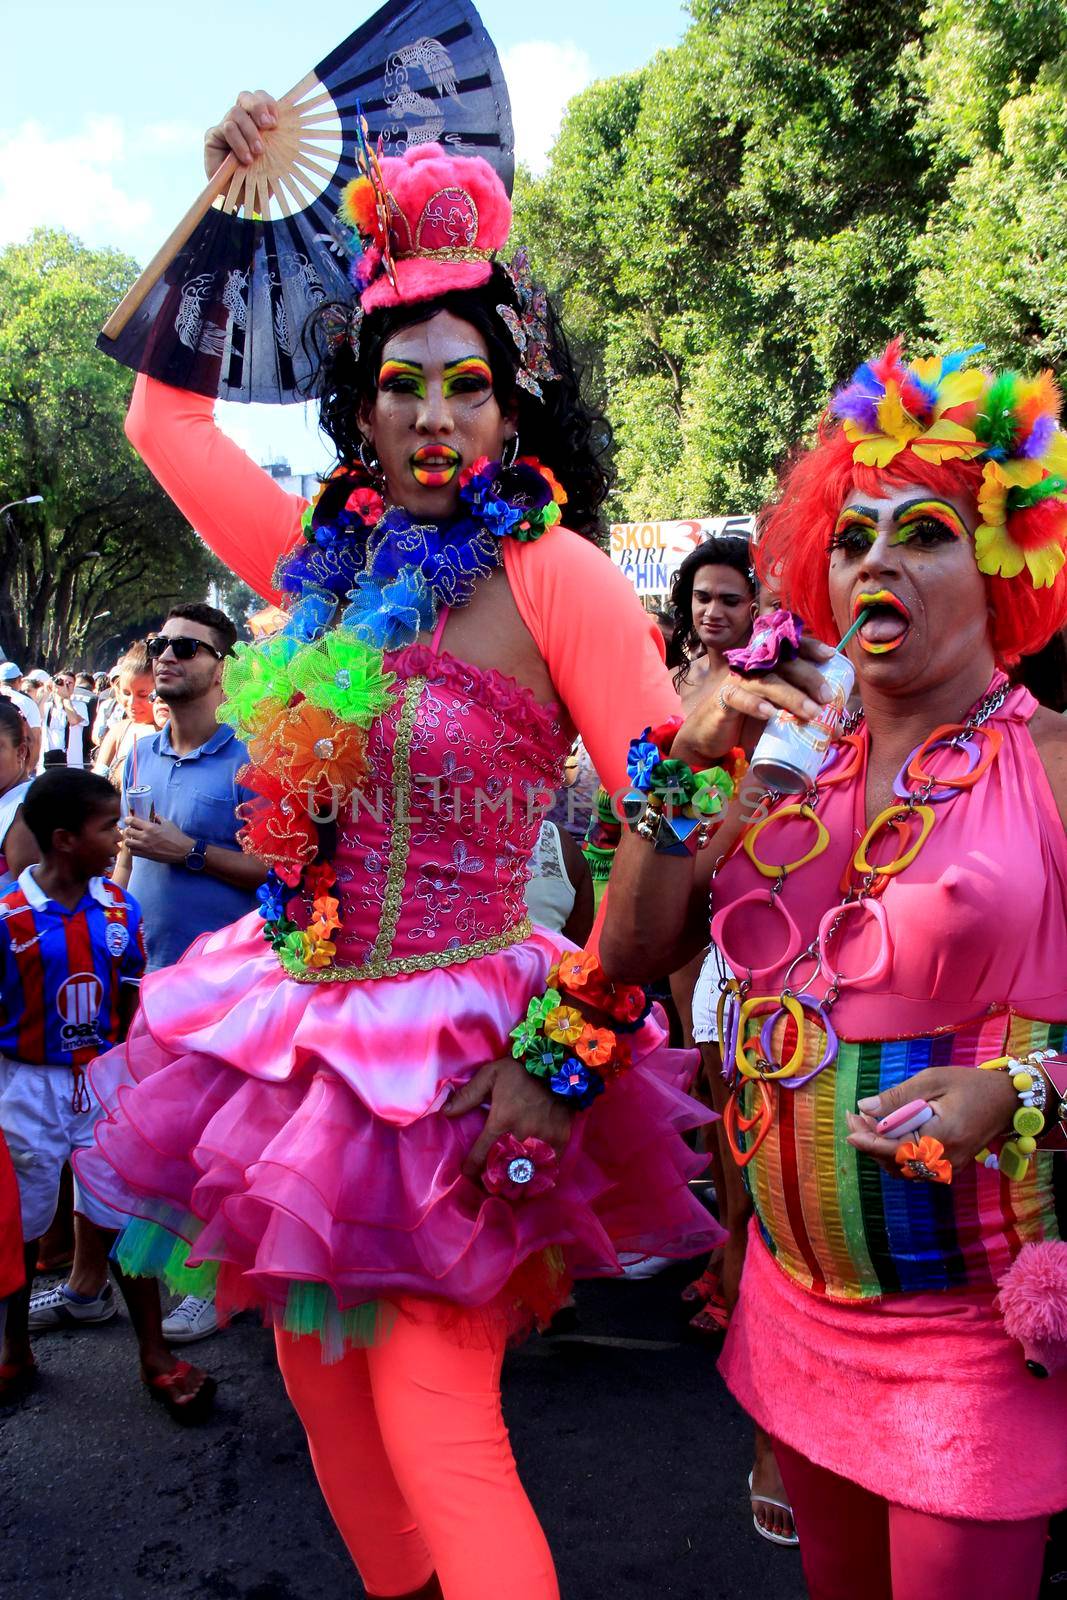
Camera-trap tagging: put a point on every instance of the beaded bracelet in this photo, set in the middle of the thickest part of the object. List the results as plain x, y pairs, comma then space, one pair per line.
1028, 1123
575, 1058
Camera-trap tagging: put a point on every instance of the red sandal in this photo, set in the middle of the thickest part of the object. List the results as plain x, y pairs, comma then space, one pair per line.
162, 1388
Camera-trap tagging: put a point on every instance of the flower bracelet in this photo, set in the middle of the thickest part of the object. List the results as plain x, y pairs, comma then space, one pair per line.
671, 804
575, 1058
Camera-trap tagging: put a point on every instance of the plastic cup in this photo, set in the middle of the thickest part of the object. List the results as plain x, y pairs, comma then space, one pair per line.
139, 801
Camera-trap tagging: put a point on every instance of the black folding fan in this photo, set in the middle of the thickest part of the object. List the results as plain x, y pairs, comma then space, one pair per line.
220, 308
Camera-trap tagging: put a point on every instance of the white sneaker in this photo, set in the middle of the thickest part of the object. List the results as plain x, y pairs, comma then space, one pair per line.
54, 1308
193, 1319
634, 1266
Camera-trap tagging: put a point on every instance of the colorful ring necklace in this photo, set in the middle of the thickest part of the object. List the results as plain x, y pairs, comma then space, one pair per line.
747, 1043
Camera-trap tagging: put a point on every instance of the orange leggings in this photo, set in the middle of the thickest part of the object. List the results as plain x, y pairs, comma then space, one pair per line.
412, 1456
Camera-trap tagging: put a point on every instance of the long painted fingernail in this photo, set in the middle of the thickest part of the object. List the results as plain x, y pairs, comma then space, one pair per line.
811, 708
257, 147
872, 1104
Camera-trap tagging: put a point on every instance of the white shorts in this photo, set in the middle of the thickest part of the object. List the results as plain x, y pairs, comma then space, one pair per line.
706, 996
42, 1132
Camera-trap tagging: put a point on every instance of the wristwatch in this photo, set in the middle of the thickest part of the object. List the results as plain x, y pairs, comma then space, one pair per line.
194, 861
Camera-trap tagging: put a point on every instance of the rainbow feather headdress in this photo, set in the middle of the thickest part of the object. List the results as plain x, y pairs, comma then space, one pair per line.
1007, 422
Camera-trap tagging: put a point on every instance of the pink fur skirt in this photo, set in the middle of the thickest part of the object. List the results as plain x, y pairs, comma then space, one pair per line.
923, 1399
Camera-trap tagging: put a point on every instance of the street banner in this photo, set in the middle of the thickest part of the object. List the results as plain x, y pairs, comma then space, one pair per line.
650, 553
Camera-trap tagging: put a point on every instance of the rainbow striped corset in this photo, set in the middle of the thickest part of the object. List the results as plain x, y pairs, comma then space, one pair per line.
841, 1227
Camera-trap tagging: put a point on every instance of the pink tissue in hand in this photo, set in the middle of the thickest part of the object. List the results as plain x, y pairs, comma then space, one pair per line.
775, 639
1033, 1303
520, 1168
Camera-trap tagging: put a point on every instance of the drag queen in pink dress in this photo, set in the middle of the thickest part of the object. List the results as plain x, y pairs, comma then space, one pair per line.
366, 1109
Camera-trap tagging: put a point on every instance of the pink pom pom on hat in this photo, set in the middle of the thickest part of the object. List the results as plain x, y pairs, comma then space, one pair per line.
448, 218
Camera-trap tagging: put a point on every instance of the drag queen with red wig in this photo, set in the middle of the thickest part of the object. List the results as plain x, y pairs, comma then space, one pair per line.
386, 1109
901, 1329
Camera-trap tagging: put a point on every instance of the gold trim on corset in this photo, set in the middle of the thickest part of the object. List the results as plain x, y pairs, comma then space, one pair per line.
395, 967
381, 963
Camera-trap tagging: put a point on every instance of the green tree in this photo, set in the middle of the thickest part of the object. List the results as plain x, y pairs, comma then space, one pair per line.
106, 549
993, 256
731, 229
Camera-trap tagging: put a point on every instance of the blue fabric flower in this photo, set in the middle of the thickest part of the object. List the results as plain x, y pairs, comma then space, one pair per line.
390, 616
309, 618
577, 1083
499, 517
272, 896
641, 757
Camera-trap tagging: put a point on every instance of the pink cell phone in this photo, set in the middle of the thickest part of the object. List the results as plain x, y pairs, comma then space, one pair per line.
906, 1120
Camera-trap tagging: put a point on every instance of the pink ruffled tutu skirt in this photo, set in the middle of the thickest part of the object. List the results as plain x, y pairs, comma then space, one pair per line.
292, 1133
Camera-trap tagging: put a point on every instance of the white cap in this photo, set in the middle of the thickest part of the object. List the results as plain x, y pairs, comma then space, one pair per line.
38, 675
9, 672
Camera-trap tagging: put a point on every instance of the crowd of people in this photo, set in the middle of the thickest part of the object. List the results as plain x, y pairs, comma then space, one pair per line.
278, 984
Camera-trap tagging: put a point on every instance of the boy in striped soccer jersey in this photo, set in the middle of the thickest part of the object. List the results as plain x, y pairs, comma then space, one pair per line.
71, 955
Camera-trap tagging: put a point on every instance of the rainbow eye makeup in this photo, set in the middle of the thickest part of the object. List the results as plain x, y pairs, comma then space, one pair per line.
467, 376
932, 520
403, 377
855, 530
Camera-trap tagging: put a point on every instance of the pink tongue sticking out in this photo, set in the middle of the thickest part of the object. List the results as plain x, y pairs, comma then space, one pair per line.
883, 626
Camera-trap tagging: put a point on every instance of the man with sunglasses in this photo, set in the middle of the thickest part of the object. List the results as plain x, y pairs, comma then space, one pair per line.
180, 854
64, 724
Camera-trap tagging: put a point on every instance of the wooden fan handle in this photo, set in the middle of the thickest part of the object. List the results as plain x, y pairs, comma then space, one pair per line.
169, 249
186, 227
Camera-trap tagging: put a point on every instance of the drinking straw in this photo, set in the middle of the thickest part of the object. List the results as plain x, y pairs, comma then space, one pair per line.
855, 628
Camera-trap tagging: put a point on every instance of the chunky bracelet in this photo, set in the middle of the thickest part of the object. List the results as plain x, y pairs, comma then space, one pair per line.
1028, 1123
670, 804
574, 1058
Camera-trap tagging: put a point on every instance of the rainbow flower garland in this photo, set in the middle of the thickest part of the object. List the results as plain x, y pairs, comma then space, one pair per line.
304, 699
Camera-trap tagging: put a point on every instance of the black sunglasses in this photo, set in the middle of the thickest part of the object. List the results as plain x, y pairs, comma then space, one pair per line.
183, 646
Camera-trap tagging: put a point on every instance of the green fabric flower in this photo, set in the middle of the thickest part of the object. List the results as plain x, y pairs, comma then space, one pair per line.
254, 673
527, 1037
343, 675
714, 789
674, 781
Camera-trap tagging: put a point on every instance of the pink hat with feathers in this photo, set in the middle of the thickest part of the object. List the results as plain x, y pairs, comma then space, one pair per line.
427, 222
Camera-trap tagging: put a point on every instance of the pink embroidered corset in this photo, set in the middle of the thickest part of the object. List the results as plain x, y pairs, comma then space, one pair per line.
433, 855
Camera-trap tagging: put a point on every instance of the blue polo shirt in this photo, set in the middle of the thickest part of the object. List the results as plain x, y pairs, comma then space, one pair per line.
199, 793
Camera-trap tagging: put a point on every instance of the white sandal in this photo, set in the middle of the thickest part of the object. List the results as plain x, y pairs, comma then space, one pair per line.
791, 1540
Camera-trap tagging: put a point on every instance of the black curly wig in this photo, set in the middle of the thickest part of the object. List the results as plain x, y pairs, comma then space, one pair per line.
570, 437
731, 551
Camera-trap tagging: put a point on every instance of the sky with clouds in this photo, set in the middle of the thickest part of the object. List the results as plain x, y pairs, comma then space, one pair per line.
103, 104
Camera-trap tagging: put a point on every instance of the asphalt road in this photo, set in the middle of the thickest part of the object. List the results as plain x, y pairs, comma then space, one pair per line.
632, 1451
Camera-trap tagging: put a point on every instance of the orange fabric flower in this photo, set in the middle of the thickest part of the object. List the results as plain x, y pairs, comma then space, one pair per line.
325, 909
320, 752
924, 1159
577, 968
596, 1046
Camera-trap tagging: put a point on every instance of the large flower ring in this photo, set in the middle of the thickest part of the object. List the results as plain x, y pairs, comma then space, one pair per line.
518, 1169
